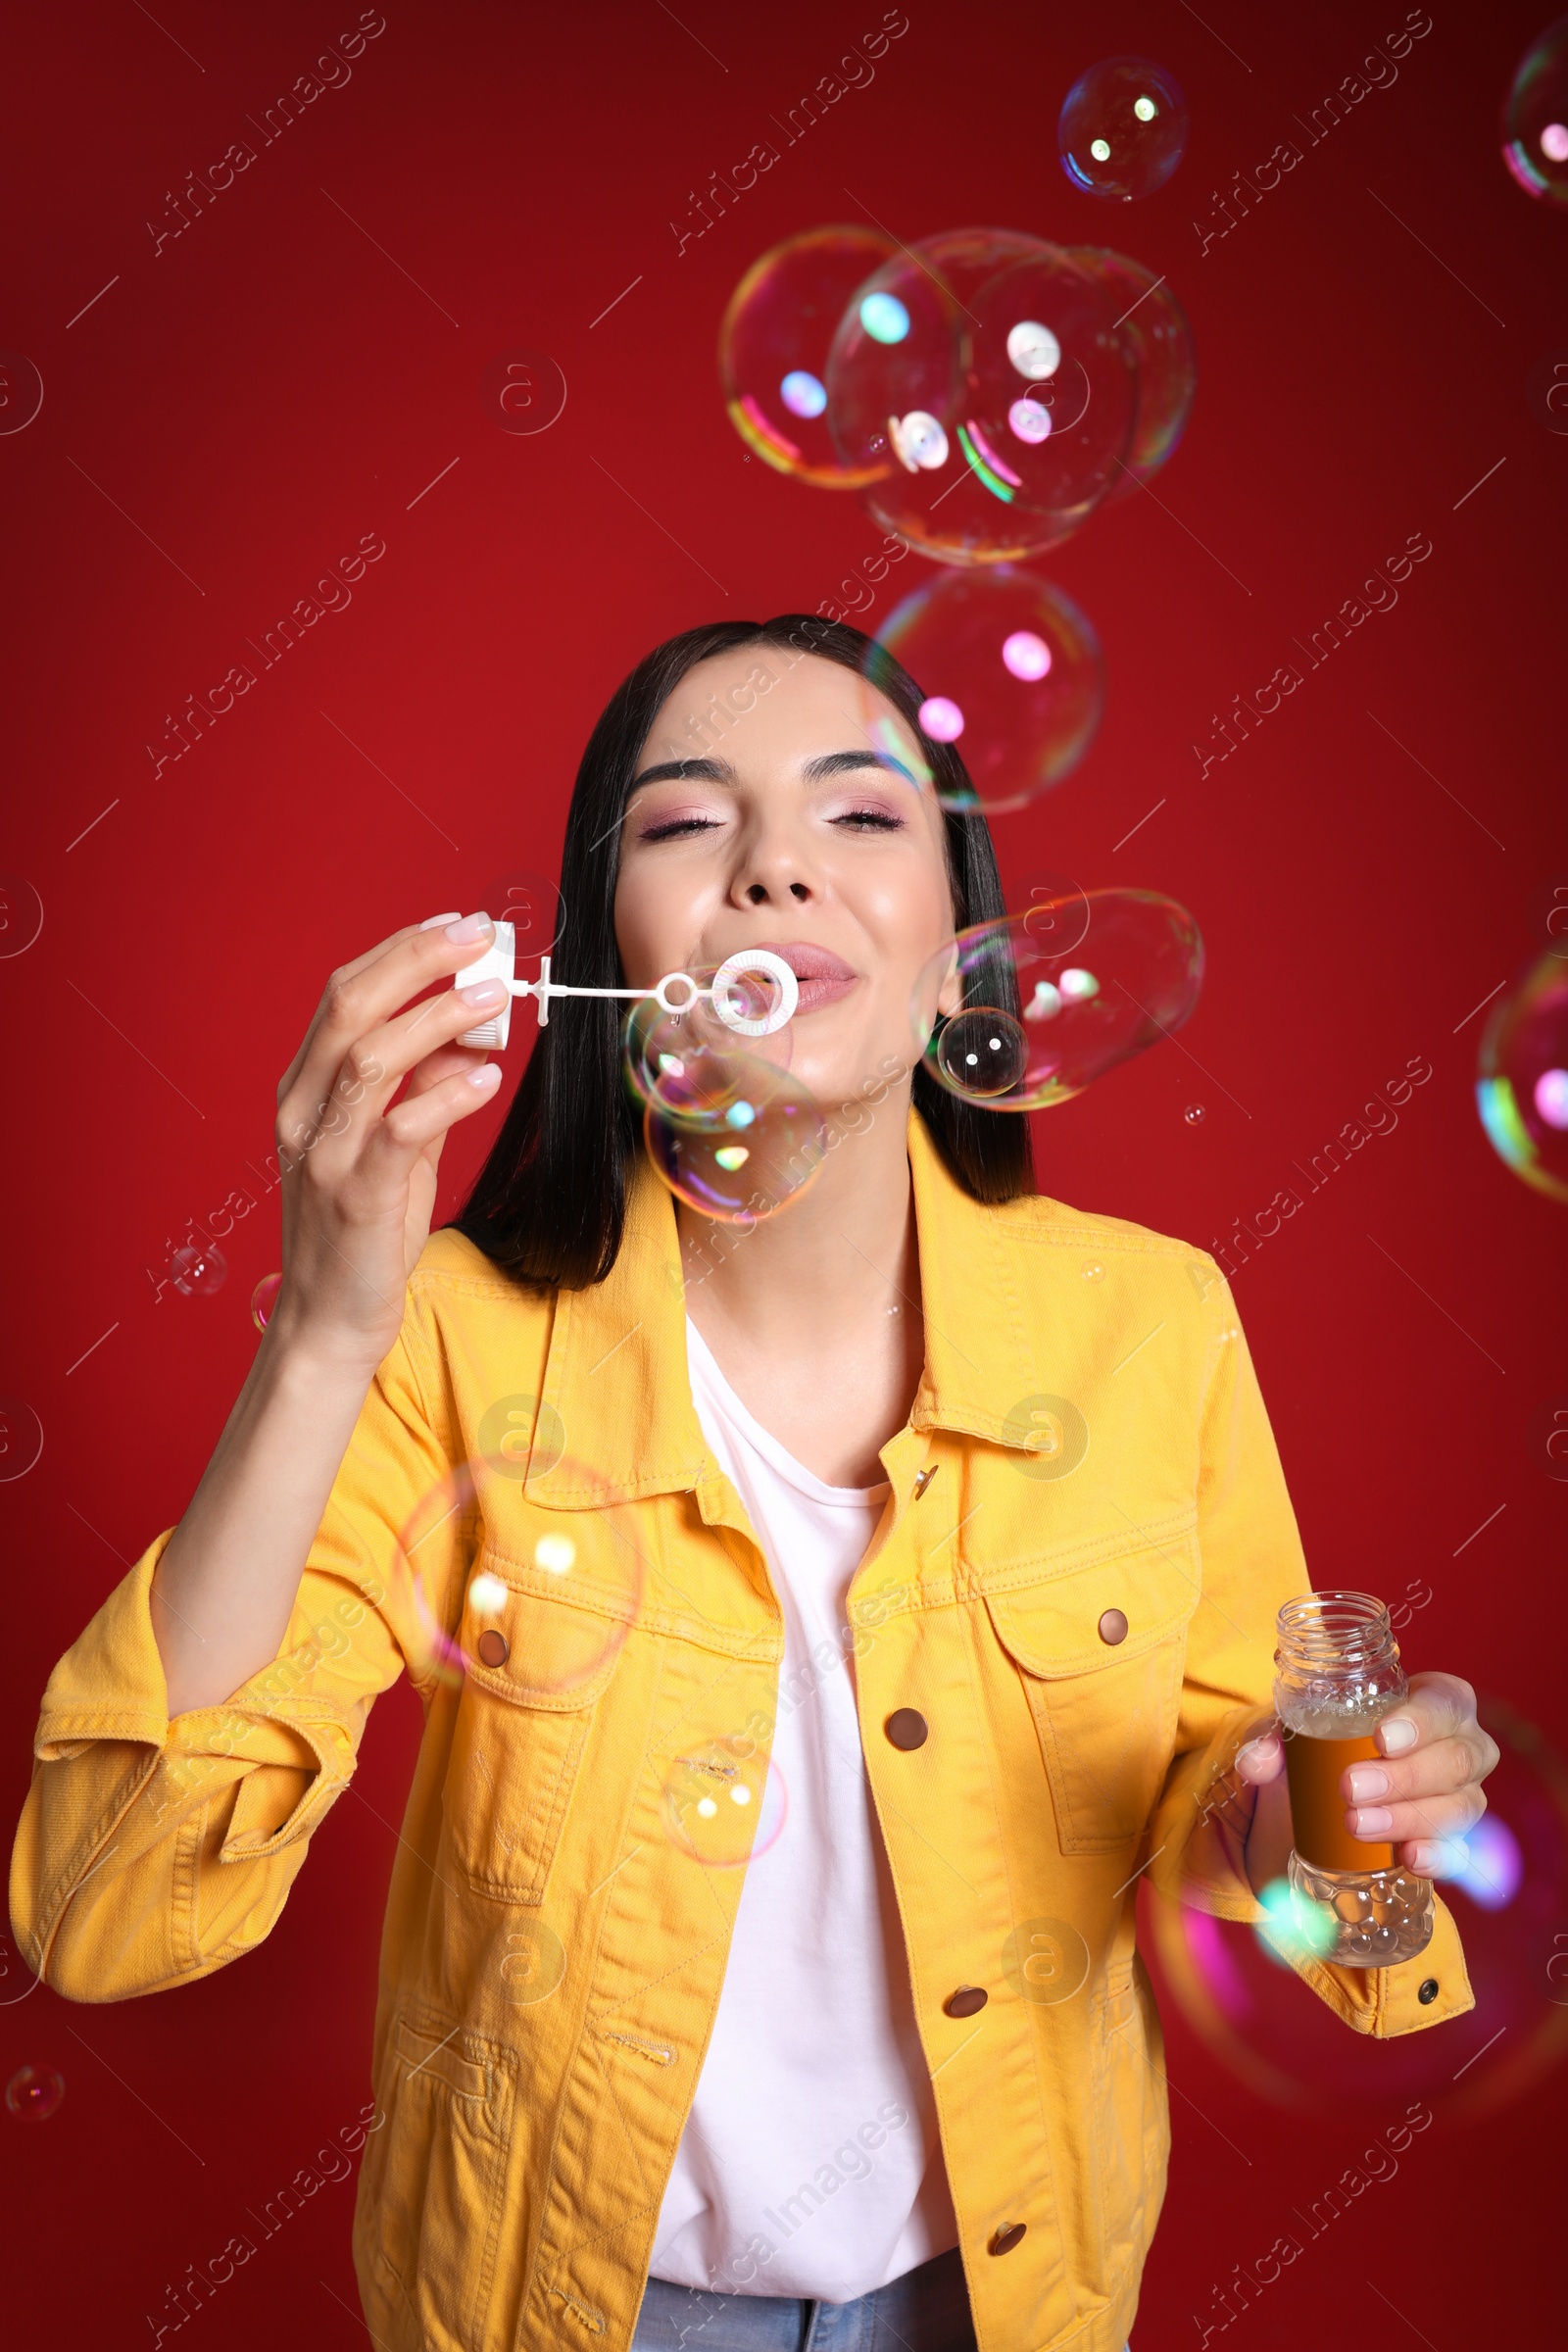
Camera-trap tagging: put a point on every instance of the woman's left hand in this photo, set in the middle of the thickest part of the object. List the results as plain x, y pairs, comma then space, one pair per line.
1421, 1796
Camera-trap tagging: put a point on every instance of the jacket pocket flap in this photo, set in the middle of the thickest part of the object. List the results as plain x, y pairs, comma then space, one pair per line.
426, 2054
1100, 1615
555, 1652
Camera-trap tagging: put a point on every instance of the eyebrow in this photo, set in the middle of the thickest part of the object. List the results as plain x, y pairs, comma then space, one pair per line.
720, 772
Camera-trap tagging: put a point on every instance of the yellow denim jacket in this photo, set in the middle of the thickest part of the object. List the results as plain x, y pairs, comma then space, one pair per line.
1071, 1594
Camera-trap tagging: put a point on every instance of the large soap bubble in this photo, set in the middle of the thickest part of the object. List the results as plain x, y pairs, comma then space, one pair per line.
773, 347
1153, 331
1007, 398
1535, 117
1122, 130
1011, 674
727, 1128
1043, 1019
1522, 1087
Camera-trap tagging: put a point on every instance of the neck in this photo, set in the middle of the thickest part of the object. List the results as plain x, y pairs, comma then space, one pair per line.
817, 1271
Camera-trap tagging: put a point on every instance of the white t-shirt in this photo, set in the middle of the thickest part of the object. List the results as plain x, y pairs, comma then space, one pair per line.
810, 2163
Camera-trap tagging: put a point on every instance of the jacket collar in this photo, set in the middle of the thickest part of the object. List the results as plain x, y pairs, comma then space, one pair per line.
616, 1371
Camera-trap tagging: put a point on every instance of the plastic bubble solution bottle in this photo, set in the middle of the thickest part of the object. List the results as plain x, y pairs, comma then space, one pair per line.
1338, 1675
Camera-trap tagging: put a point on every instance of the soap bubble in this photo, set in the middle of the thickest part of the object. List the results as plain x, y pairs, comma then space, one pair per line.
773, 347
727, 1128
1522, 1089
1012, 674
1054, 1019
1153, 331
550, 1573
723, 1802
1005, 406
1122, 130
1534, 119
1195, 1114
33, 2092
1510, 1901
264, 1299
198, 1269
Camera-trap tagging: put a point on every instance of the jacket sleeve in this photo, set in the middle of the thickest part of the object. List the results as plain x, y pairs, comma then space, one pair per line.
151, 1850
1251, 1560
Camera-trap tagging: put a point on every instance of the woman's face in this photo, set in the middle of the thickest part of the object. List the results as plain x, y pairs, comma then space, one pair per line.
778, 826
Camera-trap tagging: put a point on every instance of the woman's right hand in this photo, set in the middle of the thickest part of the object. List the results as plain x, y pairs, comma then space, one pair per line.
358, 1170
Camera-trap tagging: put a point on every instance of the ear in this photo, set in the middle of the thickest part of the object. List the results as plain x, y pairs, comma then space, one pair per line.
950, 995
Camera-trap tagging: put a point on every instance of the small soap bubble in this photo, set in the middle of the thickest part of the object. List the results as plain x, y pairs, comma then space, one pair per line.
33, 2092
1094, 1273
1006, 662
198, 1271
1535, 124
264, 1299
1122, 130
1522, 1086
1057, 1026
1195, 1114
724, 1803
773, 350
982, 1051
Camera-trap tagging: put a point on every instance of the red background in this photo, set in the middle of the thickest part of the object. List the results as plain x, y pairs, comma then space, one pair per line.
269, 386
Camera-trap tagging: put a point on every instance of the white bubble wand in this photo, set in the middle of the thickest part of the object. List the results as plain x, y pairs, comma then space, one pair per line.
729, 1000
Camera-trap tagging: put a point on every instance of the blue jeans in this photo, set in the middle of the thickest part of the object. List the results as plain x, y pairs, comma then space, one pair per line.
928, 2310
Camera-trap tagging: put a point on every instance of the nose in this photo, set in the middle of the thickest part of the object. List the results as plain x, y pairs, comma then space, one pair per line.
772, 872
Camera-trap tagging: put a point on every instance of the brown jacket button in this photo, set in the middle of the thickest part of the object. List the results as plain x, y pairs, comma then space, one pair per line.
1113, 1626
494, 1647
907, 1728
966, 2000
1006, 2239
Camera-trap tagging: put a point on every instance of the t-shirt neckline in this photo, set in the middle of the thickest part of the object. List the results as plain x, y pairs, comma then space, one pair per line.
701, 1362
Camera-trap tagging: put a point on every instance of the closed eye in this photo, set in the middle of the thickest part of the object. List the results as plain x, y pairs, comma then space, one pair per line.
675, 826
875, 820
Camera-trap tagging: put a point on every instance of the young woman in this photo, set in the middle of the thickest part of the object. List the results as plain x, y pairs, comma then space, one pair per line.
846, 1609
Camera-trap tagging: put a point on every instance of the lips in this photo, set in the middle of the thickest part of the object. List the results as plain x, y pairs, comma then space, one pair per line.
822, 976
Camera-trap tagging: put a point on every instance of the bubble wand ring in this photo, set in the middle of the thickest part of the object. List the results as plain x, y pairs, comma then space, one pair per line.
500, 962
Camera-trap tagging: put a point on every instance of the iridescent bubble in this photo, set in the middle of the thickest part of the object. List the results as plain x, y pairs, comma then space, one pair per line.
1018, 662
1153, 329
723, 1802
1008, 403
1195, 1114
198, 1271
533, 1583
264, 1299
982, 1051
703, 1089
1535, 117
1522, 1088
773, 348
1511, 1901
33, 2092
1122, 130
1134, 977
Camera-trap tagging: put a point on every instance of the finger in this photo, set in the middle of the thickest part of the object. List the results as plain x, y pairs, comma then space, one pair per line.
420, 1120
359, 999
1429, 1817
1261, 1760
351, 971
1439, 1704
1428, 1771
1437, 1857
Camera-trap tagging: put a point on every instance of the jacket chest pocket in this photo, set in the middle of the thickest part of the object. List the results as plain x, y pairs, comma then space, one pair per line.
535, 1668
1100, 1652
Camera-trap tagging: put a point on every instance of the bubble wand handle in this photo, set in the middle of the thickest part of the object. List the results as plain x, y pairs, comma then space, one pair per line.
499, 962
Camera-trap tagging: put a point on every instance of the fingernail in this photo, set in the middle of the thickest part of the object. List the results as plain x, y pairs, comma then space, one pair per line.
485, 1075
491, 992
472, 927
1367, 1780
1373, 1821
436, 920
1257, 1755
1398, 1734
1438, 1858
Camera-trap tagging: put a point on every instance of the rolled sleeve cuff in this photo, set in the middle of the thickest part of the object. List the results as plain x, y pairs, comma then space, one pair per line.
1383, 2002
